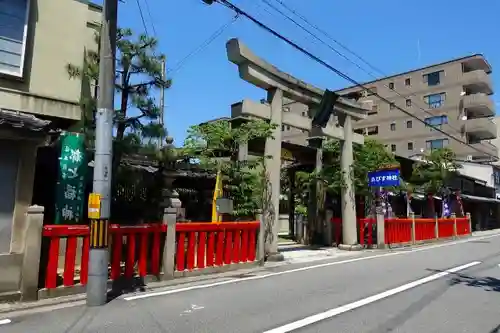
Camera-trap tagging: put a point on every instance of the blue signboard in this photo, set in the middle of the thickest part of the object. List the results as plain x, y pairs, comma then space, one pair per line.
383, 178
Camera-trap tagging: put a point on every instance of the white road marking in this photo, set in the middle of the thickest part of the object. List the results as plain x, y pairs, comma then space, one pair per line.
365, 301
5, 321
264, 276
192, 309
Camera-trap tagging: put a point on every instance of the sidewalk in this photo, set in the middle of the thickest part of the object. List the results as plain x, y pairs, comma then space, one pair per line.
297, 253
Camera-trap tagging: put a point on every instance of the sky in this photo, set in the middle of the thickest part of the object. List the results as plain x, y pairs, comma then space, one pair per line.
392, 35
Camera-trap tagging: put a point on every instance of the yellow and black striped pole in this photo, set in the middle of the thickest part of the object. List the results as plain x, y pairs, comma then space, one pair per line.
99, 237
99, 228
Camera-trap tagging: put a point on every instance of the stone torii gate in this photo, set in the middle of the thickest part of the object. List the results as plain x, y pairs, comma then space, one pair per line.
281, 85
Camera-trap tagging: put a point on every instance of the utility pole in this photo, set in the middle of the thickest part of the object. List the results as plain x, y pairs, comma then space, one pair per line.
162, 101
99, 257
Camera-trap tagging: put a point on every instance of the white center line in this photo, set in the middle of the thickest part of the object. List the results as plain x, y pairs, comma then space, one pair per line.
365, 301
5, 321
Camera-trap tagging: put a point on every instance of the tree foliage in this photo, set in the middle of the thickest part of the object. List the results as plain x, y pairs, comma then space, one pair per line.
138, 74
215, 147
368, 157
435, 169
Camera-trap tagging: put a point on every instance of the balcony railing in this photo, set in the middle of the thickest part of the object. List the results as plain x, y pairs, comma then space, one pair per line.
477, 82
479, 105
482, 128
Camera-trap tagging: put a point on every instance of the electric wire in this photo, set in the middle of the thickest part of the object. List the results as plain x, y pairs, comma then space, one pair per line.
181, 63
303, 18
239, 11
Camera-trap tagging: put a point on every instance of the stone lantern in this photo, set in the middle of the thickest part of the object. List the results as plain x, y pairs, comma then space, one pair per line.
168, 173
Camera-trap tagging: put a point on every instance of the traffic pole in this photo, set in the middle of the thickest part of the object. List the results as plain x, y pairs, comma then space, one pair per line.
97, 285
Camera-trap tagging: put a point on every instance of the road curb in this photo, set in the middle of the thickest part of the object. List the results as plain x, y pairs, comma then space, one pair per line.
6, 308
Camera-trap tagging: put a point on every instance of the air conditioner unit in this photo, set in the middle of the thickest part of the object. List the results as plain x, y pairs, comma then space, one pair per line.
469, 158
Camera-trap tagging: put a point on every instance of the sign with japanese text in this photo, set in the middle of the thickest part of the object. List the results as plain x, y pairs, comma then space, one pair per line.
70, 195
383, 178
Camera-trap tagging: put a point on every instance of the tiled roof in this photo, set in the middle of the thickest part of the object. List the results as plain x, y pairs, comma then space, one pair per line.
22, 120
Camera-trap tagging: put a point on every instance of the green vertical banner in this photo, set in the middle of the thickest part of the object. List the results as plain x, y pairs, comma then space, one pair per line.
73, 165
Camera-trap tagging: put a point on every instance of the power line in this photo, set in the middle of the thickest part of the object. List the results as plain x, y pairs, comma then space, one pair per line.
202, 46
239, 11
148, 10
142, 17
341, 54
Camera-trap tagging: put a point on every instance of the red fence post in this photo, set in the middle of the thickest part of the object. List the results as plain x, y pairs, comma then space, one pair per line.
200, 248
211, 249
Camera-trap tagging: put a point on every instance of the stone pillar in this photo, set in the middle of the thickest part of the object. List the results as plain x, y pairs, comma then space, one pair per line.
170, 219
413, 229
243, 152
291, 203
380, 218
315, 210
273, 170
348, 201
31, 253
261, 251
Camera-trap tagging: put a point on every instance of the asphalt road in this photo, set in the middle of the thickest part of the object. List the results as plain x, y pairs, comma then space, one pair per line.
452, 288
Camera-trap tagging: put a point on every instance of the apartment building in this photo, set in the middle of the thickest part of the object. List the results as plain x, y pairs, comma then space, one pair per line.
38, 39
453, 96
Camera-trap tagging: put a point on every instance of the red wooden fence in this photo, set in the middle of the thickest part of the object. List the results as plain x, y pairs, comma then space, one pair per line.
399, 230
139, 249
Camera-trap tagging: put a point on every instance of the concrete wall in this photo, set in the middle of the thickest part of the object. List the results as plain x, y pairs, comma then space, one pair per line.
58, 33
19, 272
481, 172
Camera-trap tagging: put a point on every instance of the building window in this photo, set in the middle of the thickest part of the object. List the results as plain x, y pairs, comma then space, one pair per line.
13, 29
409, 124
282, 128
393, 147
410, 145
393, 126
287, 127
436, 144
392, 106
391, 85
408, 82
436, 122
408, 102
435, 101
433, 79
304, 113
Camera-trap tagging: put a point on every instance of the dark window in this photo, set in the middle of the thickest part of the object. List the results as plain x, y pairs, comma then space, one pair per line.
437, 121
408, 82
410, 145
282, 128
435, 101
288, 128
391, 85
433, 79
408, 102
392, 106
393, 126
393, 147
409, 124
436, 144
